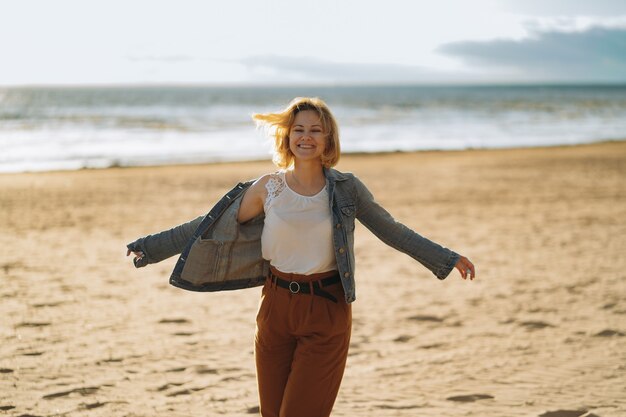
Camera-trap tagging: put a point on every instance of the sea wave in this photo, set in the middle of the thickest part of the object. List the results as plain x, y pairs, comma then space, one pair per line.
72, 128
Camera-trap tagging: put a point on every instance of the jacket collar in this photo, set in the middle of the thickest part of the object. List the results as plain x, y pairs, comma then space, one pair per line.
334, 175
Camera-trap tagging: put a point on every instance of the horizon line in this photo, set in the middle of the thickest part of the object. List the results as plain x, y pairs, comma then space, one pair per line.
317, 85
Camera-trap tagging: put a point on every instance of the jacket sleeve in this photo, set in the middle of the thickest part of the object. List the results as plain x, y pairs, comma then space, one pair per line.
162, 245
439, 260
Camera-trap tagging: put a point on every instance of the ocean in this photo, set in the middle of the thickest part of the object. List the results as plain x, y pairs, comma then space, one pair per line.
68, 128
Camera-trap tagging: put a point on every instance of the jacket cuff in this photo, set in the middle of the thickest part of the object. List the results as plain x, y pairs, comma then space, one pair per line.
451, 262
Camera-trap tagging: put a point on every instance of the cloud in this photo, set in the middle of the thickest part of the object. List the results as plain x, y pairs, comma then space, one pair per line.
595, 54
160, 58
309, 69
564, 7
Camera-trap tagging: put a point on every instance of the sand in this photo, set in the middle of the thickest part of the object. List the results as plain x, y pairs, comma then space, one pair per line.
540, 332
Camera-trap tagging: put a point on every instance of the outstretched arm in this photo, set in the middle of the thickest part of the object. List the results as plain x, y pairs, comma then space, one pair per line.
157, 247
439, 260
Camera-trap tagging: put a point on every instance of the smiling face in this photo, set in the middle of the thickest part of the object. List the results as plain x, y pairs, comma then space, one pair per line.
307, 139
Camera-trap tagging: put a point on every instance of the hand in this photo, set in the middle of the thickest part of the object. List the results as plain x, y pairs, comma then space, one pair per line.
138, 254
465, 267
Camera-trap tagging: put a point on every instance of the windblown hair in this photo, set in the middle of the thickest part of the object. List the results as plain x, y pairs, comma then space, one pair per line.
279, 124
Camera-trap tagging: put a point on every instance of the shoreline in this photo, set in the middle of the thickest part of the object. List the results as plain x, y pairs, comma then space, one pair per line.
344, 155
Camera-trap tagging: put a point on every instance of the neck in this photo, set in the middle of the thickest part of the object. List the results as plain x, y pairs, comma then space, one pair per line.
308, 173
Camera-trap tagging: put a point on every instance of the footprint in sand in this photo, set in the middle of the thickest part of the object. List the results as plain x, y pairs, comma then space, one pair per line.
98, 404
470, 398
174, 321
535, 325
202, 370
33, 324
609, 333
432, 346
82, 391
426, 318
50, 304
109, 360
177, 321
33, 353
169, 385
188, 391
7, 267
402, 339
183, 334
567, 413
398, 407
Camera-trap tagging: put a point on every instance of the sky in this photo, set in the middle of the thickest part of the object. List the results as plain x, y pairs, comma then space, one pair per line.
275, 42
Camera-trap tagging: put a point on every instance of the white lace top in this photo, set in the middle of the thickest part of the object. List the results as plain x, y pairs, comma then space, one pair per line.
297, 235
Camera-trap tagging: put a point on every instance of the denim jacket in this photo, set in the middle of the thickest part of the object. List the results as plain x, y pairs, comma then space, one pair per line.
218, 253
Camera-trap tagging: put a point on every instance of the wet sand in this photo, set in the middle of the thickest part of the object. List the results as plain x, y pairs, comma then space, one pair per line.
541, 332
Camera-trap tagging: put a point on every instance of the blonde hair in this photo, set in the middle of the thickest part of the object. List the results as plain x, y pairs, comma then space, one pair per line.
279, 124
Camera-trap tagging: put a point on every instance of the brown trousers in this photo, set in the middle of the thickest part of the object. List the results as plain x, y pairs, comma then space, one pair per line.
301, 347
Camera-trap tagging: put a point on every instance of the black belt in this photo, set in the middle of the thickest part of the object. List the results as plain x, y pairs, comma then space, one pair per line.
296, 287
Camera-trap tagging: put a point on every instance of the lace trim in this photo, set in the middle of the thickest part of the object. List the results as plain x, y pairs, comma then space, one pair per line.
275, 185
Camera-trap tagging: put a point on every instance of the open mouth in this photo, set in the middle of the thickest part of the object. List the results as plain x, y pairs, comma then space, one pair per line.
304, 146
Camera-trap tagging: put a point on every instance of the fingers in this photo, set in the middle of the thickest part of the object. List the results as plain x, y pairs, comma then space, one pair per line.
138, 254
471, 269
466, 268
460, 268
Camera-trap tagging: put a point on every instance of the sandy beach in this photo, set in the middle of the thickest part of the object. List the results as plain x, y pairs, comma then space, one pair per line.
540, 332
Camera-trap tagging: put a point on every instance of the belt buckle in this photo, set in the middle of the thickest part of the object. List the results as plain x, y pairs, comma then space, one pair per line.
294, 287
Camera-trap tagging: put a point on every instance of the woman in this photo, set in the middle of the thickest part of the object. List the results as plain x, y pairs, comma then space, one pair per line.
293, 232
